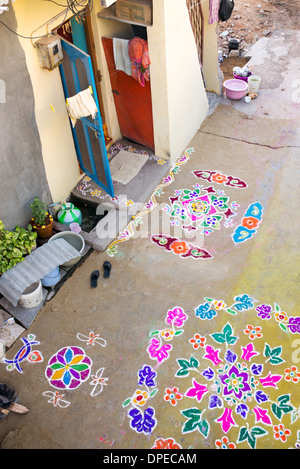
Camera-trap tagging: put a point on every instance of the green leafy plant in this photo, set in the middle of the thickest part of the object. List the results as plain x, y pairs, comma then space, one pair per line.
14, 246
39, 211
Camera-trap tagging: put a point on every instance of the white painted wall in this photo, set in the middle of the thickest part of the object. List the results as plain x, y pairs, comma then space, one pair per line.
179, 101
178, 96
58, 149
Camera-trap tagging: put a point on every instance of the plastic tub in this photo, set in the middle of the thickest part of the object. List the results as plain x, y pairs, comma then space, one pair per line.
242, 78
75, 239
32, 296
235, 89
253, 84
52, 278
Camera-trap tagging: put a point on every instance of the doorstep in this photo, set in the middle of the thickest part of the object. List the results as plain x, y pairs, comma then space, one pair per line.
128, 198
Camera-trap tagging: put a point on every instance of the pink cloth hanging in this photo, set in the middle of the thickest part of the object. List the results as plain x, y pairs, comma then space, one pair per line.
213, 11
140, 60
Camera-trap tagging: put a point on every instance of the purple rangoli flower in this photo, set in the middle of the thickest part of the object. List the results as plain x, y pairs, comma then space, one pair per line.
147, 375
242, 409
215, 401
68, 368
235, 382
294, 324
143, 423
264, 311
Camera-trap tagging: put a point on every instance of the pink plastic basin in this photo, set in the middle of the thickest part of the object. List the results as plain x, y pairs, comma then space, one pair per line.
235, 89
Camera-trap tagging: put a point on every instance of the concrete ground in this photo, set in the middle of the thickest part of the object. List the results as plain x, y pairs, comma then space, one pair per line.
193, 341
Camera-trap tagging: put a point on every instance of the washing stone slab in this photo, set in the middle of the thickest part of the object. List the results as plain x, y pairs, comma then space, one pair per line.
25, 316
34, 267
9, 333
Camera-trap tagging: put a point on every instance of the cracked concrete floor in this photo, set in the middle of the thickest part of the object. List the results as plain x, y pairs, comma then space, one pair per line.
199, 352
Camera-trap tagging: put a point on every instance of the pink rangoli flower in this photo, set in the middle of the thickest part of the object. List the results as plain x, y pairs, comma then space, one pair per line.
176, 316
157, 352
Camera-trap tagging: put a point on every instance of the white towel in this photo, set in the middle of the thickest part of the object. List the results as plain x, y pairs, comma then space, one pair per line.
81, 105
121, 56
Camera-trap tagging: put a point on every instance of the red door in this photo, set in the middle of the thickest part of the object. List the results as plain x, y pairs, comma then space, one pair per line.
133, 102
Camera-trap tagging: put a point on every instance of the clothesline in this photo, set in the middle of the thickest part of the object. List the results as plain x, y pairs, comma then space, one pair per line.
199, 3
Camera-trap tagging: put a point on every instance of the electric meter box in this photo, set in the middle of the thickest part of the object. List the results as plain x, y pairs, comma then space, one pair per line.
49, 51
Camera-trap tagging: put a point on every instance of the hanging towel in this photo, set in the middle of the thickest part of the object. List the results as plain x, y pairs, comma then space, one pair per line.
213, 11
81, 105
121, 56
140, 60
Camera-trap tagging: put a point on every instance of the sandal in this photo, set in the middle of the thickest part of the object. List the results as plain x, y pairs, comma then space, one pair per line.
107, 269
94, 278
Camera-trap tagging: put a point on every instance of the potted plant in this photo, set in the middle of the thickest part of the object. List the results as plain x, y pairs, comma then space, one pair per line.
14, 246
41, 220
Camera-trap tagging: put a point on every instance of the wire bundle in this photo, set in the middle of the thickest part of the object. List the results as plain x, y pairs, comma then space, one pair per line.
80, 7
77, 7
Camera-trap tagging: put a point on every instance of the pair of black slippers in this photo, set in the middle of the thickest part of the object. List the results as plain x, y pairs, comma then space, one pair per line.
96, 274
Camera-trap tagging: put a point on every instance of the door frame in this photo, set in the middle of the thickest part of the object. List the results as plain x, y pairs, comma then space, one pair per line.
89, 36
96, 126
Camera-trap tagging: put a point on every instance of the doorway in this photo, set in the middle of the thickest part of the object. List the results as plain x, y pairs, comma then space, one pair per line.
78, 74
133, 102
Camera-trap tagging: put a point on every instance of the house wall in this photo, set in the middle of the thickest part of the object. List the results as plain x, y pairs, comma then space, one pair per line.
178, 95
22, 173
179, 101
58, 151
210, 53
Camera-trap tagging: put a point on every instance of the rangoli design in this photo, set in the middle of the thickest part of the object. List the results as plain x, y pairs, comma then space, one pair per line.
159, 348
179, 247
68, 368
218, 177
98, 382
92, 339
56, 399
249, 223
200, 209
233, 384
25, 353
150, 205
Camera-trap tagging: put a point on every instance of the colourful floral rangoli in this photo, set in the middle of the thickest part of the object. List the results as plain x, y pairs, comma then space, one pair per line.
233, 387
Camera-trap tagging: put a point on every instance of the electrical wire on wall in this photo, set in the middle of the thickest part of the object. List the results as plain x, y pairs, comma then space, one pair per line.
77, 7
80, 8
